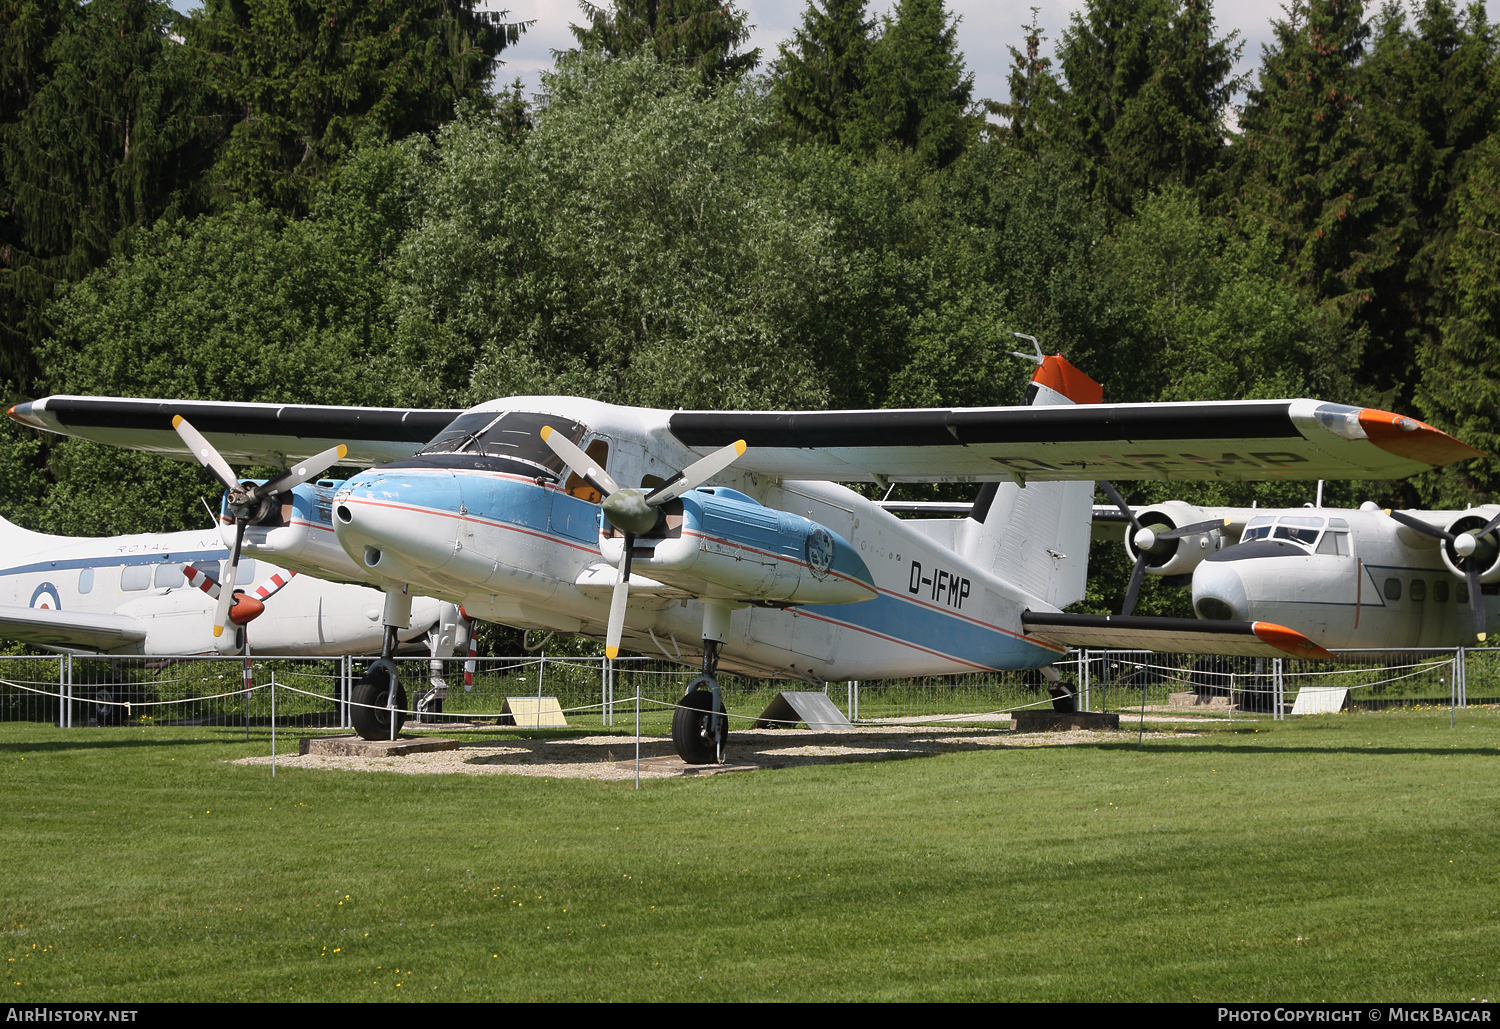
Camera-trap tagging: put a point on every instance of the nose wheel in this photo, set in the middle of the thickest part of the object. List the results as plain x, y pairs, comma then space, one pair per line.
700, 728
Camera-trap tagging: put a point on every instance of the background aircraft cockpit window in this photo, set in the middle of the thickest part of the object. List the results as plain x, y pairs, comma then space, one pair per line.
86, 580
1336, 543
169, 575
516, 435
1258, 528
1296, 533
135, 577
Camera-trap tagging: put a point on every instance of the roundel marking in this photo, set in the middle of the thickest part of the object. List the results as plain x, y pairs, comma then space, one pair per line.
46, 598
820, 551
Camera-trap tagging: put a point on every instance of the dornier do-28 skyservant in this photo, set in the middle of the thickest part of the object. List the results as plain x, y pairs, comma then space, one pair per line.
724, 538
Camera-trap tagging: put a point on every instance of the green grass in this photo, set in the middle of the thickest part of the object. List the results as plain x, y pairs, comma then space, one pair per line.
1346, 857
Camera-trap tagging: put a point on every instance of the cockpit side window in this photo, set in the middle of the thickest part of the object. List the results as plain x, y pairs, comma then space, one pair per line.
1298, 528
577, 485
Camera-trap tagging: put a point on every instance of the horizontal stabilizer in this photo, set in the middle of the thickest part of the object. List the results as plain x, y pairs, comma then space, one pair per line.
69, 630
1171, 635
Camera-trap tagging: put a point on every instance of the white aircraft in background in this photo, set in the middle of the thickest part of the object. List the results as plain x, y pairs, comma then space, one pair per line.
1347, 579
155, 594
569, 514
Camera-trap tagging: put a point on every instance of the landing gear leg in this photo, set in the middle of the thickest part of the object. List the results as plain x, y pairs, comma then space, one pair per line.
379, 708
700, 725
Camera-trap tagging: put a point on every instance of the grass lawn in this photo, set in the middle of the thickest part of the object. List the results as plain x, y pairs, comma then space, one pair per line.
1347, 857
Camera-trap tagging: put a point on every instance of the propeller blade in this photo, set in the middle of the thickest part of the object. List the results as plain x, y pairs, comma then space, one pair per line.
1419, 525
1134, 590
618, 601
310, 469
1476, 597
226, 588
1115, 498
696, 474
1194, 529
204, 451
580, 463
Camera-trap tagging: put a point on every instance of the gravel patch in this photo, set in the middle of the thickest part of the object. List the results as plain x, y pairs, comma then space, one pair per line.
612, 758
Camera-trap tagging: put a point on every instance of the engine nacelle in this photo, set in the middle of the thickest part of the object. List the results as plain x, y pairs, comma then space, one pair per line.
298, 533
1175, 556
1487, 553
739, 549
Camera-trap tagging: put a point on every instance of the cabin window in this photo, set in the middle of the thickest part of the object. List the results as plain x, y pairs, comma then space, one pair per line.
135, 577
169, 575
1440, 592
1337, 523
1393, 589
1462, 593
578, 486
86, 580
245, 576
1419, 589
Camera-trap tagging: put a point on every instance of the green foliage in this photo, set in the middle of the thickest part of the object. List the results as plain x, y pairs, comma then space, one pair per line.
304, 80
1147, 84
1460, 385
702, 35
105, 132
822, 70
917, 94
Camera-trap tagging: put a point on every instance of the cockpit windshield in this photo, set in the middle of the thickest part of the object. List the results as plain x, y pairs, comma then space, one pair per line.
1303, 529
516, 435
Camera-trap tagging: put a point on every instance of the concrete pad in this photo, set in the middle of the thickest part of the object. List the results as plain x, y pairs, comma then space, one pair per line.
354, 746
1061, 721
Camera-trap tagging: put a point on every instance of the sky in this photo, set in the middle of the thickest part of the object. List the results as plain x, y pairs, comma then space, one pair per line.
985, 30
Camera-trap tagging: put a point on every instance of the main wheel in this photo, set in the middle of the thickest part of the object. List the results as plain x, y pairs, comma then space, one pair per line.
693, 728
374, 689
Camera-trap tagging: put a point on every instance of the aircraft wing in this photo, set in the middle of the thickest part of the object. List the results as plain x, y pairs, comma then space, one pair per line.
1171, 635
255, 434
69, 630
1246, 439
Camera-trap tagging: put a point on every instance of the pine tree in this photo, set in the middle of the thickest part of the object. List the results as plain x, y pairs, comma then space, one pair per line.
917, 94
113, 137
1146, 88
1033, 88
822, 70
306, 79
704, 35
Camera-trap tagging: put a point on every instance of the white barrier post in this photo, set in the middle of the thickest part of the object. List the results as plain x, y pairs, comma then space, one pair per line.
273, 724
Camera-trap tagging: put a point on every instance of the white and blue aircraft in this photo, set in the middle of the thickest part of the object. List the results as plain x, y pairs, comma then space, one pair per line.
725, 535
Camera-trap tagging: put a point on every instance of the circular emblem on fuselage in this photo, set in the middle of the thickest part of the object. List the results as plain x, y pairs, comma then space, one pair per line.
820, 548
46, 598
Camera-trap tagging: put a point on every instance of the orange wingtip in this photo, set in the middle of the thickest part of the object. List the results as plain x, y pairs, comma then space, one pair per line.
1290, 641
1406, 437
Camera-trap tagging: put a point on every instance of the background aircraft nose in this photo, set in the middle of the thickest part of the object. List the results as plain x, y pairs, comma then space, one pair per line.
1219, 593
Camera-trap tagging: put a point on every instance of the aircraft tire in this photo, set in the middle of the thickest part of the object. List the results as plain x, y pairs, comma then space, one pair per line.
691, 728
374, 722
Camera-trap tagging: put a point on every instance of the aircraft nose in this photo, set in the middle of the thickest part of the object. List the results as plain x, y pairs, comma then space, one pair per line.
398, 525
1219, 593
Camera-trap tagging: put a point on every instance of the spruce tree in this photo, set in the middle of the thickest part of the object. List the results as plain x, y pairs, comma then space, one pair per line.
115, 136
1146, 87
306, 79
917, 94
704, 35
822, 70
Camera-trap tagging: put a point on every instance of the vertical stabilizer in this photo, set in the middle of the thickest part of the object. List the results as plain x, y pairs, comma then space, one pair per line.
1037, 536
17, 542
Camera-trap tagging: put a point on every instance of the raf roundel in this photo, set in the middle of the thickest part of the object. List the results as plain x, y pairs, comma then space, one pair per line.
820, 551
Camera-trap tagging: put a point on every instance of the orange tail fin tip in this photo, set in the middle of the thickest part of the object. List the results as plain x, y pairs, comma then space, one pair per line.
1059, 374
